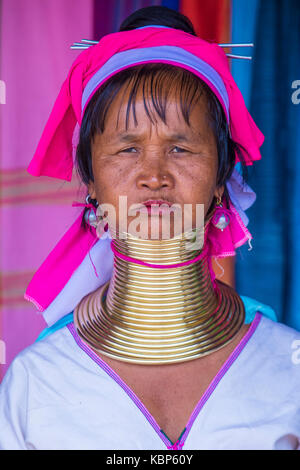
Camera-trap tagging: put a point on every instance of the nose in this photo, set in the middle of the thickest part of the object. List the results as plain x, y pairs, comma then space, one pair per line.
154, 175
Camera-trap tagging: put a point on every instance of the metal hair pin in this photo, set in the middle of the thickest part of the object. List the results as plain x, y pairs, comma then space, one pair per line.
86, 43
236, 56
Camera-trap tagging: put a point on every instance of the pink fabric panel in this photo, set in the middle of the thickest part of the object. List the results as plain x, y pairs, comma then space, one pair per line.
21, 326
40, 228
35, 39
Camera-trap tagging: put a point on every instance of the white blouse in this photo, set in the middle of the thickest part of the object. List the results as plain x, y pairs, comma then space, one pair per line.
58, 394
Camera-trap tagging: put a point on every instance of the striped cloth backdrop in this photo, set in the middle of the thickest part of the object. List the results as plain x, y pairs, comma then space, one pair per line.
35, 57
34, 212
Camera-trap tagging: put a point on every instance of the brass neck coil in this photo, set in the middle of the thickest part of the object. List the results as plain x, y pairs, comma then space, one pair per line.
148, 315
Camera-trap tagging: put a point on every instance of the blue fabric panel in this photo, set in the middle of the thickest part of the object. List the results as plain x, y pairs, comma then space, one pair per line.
252, 306
271, 271
244, 15
57, 326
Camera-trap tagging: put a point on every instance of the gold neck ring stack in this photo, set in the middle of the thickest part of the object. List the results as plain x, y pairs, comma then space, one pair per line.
149, 315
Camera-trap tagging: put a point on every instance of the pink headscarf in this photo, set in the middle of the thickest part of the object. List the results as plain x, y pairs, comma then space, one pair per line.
54, 154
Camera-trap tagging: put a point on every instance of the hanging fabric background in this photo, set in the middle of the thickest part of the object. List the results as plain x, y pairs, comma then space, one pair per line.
35, 57
271, 272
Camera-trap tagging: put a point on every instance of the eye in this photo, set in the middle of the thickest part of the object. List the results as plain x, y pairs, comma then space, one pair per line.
179, 149
129, 150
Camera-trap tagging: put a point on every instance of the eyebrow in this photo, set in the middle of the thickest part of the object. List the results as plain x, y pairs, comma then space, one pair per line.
125, 137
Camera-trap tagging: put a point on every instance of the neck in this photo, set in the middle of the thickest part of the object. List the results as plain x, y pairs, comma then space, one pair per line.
169, 313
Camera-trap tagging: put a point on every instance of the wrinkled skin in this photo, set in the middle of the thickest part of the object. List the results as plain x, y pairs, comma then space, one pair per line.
152, 163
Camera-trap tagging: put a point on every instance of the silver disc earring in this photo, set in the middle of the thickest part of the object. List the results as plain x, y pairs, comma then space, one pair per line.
90, 216
221, 217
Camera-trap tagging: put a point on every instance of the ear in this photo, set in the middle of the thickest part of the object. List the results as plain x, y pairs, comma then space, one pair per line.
219, 191
91, 189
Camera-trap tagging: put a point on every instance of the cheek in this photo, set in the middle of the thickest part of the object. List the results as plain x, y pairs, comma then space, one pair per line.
110, 181
198, 181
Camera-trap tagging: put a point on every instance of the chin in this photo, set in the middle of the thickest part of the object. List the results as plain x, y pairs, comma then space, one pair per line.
157, 227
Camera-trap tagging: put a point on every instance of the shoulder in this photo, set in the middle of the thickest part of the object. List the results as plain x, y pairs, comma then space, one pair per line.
57, 344
273, 355
277, 335
43, 361
269, 337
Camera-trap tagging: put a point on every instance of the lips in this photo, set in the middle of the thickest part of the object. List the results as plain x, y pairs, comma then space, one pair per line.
156, 206
157, 202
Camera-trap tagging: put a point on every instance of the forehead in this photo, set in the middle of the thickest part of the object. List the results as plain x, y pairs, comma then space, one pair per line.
139, 107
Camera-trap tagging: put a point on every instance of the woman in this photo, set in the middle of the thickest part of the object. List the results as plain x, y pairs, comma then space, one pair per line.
156, 353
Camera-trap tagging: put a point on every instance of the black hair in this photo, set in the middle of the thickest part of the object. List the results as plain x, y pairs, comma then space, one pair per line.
158, 15
190, 87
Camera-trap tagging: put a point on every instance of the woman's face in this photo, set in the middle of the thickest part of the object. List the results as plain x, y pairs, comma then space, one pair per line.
153, 161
